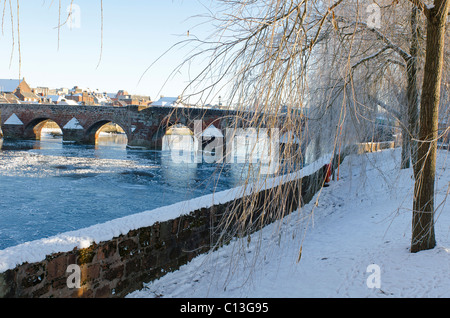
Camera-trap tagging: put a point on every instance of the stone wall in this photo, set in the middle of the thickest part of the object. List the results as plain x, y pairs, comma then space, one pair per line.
123, 264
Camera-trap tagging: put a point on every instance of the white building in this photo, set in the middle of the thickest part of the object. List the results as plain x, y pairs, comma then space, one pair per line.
55, 99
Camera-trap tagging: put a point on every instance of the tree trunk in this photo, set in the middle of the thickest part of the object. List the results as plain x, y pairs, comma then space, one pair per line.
406, 150
423, 236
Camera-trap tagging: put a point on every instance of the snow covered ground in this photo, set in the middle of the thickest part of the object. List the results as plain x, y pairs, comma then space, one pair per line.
353, 235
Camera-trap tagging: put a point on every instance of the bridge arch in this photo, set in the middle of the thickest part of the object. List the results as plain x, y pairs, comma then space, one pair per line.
34, 128
179, 137
93, 132
178, 129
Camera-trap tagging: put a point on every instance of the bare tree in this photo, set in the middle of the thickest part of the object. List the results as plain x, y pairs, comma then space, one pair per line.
423, 236
272, 42
393, 48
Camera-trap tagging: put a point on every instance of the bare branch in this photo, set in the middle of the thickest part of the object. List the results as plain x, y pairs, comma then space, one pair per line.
421, 6
389, 44
370, 57
384, 105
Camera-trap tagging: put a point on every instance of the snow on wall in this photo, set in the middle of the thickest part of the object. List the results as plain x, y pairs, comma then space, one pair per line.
73, 124
35, 251
13, 120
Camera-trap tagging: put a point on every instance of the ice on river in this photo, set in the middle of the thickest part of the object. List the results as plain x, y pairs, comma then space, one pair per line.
49, 187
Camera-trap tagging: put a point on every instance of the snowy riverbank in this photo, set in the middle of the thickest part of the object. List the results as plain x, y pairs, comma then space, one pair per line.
360, 220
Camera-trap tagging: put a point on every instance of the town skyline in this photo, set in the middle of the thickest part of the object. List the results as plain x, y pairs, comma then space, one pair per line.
19, 91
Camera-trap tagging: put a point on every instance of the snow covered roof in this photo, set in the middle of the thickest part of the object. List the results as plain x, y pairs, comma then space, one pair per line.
9, 85
55, 98
68, 102
11, 98
29, 95
166, 101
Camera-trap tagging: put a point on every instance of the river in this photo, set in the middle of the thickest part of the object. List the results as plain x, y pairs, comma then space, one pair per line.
49, 187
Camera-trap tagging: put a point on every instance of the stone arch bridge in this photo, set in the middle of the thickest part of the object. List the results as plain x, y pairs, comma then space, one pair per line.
144, 127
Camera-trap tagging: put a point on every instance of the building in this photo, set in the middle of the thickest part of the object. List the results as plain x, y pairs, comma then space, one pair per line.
123, 98
27, 97
167, 102
77, 90
9, 98
83, 98
14, 85
67, 102
54, 99
16, 91
62, 91
119, 103
102, 100
42, 91
3, 99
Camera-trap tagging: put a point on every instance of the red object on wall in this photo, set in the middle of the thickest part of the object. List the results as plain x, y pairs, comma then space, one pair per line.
328, 173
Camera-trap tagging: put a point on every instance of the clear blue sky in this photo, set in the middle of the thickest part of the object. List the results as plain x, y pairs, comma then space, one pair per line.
135, 33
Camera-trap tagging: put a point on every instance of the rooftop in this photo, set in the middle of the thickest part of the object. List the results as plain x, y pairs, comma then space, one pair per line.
166, 101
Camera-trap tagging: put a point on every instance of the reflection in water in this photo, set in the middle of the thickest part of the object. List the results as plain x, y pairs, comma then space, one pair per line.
177, 174
111, 140
50, 139
108, 144
179, 142
178, 159
182, 149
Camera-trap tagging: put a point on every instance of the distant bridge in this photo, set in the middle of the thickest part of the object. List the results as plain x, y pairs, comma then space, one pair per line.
144, 126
